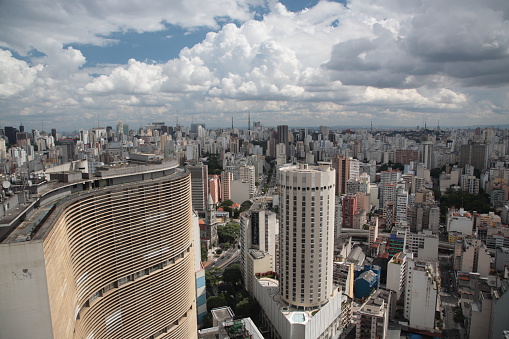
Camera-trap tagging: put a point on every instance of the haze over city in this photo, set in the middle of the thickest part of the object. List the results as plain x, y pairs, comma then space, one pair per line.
66, 65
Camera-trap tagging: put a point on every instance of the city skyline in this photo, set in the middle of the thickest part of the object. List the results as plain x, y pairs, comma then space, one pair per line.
66, 66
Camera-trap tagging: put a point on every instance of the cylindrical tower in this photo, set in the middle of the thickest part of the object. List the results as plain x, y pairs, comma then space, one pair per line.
306, 234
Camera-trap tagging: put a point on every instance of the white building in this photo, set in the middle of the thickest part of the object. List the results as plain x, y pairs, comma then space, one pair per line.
424, 245
247, 174
306, 234
460, 221
421, 294
397, 273
401, 206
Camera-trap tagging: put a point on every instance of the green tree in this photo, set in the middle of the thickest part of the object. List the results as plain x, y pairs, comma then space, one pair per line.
247, 308
470, 202
216, 301
246, 205
228, 233
232, 276
394, 166
213, 277
435, 172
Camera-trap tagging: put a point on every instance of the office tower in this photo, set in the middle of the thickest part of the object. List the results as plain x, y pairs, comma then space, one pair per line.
342, 166
427, 154
10, 133
113, 260
282, 138
258, 244
306, 234
54, 133
199, 186
473, 154
195, 127
349, 209
226, 179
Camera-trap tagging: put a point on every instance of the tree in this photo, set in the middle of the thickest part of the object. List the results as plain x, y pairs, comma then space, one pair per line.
247, 308
228, 233
233, 276
394, 166
213, 277
435, 172
470, 202
216, 301
246, 205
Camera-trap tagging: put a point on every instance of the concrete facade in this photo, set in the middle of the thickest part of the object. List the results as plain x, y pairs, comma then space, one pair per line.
115, 259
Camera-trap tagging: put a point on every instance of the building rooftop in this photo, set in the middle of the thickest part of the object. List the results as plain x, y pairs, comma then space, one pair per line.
293, 314
25, 222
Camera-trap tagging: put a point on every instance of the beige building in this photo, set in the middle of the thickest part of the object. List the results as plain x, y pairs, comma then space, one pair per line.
306, 234
107, 257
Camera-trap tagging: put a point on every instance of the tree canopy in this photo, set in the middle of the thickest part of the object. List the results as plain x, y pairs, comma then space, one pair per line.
470, 202
228, 233
232, 275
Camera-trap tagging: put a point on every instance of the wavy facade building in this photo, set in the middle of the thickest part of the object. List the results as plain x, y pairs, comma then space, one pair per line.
107, 257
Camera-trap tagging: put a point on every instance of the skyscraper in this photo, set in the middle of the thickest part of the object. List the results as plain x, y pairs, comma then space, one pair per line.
282, 137
306, 234
199, 186
342, 166
473, 154
113, 260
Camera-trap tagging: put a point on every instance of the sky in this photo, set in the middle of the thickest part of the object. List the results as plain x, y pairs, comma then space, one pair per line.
403, 63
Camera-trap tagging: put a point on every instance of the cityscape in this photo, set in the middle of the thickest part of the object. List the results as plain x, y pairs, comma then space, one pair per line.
227, 169
174, 231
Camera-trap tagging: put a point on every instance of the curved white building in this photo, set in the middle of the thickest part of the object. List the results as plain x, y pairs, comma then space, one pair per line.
108, 257
306, 234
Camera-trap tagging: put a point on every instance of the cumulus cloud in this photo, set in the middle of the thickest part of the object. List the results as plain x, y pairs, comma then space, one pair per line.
26, 23
360, 61
15, 75
136, 77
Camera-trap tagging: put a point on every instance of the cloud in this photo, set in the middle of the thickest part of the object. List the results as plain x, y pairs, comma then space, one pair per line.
399, 60
136, 77
15, 75
26, 23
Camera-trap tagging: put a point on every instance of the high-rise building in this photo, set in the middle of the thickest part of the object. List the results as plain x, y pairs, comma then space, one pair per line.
306, 234
473, 154
111, 257
258, 244
200, 186
421, 294
349, 209
342, 166
282, 138
226, 179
